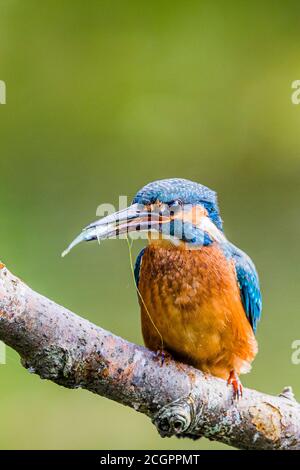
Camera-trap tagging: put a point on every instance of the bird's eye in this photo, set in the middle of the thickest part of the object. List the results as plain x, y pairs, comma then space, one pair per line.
175, 206
176, 203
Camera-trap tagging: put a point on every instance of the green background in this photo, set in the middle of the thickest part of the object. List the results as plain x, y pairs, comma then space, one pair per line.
103, 97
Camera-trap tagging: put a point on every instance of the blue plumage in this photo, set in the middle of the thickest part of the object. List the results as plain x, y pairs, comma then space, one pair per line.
171, 190
137, 266
247, 278
174, 189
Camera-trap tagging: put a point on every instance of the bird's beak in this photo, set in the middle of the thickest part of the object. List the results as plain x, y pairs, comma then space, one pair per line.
135, 218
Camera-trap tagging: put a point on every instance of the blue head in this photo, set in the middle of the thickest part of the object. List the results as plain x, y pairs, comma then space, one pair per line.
178, 190
169, 207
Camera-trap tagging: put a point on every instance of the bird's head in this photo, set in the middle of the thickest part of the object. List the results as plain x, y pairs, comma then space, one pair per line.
174, 208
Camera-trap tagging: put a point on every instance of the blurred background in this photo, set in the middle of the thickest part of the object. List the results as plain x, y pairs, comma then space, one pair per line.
103, 97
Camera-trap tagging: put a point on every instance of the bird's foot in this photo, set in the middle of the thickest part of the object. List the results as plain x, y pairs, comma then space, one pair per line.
161, 355
234, 380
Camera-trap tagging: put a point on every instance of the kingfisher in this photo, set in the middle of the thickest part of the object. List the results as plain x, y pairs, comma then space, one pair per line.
199, 294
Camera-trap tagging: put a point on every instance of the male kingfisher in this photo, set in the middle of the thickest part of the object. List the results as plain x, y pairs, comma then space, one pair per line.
199, 294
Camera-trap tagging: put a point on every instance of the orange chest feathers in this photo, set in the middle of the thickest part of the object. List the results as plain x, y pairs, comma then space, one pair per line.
193, 299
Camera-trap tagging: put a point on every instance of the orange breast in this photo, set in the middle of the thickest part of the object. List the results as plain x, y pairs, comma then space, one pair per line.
194, 301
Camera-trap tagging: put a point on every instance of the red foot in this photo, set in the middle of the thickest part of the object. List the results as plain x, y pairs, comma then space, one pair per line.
236, 385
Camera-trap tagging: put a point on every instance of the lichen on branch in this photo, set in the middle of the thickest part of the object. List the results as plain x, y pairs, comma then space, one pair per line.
59, 345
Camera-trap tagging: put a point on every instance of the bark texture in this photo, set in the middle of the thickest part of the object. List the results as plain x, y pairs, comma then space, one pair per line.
60, 346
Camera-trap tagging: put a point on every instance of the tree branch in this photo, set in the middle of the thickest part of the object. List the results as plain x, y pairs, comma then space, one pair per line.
60, 346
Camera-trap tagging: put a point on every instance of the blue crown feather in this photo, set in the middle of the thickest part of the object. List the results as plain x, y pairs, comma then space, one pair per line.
171, 190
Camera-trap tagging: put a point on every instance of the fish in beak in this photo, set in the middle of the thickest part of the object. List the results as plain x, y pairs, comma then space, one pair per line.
135, 218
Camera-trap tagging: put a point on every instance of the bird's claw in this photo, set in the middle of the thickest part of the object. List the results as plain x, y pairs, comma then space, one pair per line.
237, 387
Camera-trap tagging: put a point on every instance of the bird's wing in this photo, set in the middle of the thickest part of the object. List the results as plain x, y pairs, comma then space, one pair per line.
137, 266
248, 281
